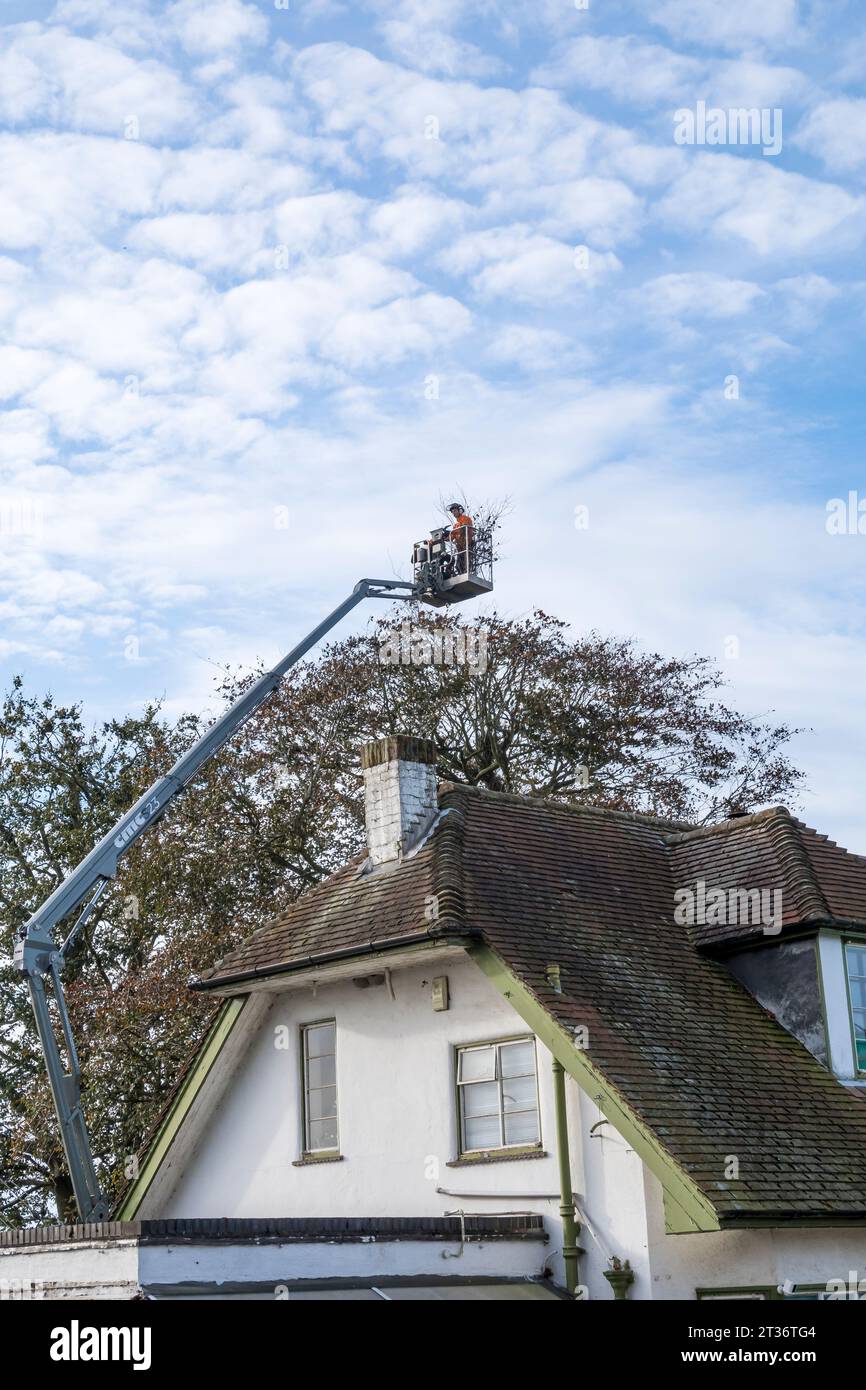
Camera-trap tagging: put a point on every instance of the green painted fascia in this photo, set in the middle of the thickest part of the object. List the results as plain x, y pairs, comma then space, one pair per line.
677, 1221
686, 1207
162, 1141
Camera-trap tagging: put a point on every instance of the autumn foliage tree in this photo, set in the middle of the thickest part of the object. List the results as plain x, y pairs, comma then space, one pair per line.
536, 710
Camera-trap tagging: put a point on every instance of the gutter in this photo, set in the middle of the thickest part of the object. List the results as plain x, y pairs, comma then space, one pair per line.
788, 1220
372, 948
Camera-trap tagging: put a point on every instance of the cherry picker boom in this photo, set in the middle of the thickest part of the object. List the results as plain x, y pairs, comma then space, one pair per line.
39, 957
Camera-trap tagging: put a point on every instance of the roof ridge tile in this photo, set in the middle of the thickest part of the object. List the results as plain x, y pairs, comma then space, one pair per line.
575, 807
448, 887
789, 833
727, 827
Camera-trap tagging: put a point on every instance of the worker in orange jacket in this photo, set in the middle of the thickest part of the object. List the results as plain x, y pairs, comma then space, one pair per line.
462, 536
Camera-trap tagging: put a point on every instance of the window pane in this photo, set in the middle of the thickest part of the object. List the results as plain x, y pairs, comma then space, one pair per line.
480, 1099
321, 1104
521, 1127
518, 1058
321, 1039
322, 1071
323, 1134
519, 1093
482, 1133
478, 1064
856, 960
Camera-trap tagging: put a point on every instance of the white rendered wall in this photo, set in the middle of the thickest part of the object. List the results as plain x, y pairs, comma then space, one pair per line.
395, 1089
89, 1270
740, 1259
371, 1259
608, 1177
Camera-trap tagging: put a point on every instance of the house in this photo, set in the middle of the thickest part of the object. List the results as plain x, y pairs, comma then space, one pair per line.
516, 1049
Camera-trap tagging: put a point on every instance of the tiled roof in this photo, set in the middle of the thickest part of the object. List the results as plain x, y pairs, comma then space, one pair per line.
355, 908
772, 852
691, 1052
841, 876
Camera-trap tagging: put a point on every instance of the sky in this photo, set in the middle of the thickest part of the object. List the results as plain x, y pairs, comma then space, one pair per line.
275, 278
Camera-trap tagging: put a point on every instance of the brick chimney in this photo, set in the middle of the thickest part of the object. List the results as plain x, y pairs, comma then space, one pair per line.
400, 798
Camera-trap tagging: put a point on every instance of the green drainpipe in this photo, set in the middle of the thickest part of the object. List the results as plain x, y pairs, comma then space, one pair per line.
566, 1205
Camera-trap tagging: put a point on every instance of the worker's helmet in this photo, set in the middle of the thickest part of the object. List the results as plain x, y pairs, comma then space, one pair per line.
455, 506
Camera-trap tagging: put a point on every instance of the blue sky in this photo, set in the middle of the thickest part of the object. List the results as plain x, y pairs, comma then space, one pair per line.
326, 263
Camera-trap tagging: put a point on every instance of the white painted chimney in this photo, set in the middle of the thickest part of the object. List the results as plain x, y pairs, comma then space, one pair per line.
400, 797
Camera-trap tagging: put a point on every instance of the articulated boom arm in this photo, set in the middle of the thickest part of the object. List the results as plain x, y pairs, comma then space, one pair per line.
39, 957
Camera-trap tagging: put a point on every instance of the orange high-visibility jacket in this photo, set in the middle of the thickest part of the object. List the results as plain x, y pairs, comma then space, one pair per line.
461, 533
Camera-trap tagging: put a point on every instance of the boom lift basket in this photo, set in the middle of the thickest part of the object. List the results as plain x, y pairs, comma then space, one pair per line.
447, 571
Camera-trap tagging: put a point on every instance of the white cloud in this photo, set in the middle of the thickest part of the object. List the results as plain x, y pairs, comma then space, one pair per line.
131, 326
218, 26
321, 223
20, 369
745, 82
648, 74
535, 349
433, 50
413, 219
424, 324
805, 298
632, 70
422, 12
210, 241
493, 140
24, 437
835, 133
730, 24
205, 178
65, 189
55, 77
604, 211
138, 28
351, 309
772, 211
701, 294
517, 264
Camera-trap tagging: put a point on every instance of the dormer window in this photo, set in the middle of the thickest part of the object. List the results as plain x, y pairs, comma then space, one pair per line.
855, 964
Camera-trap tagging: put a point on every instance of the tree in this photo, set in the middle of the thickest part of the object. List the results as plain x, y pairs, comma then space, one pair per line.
512, 705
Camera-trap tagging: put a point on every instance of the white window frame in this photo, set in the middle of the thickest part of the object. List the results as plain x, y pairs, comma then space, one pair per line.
836, 1002
496, 1044
306, 1088
854, 1009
